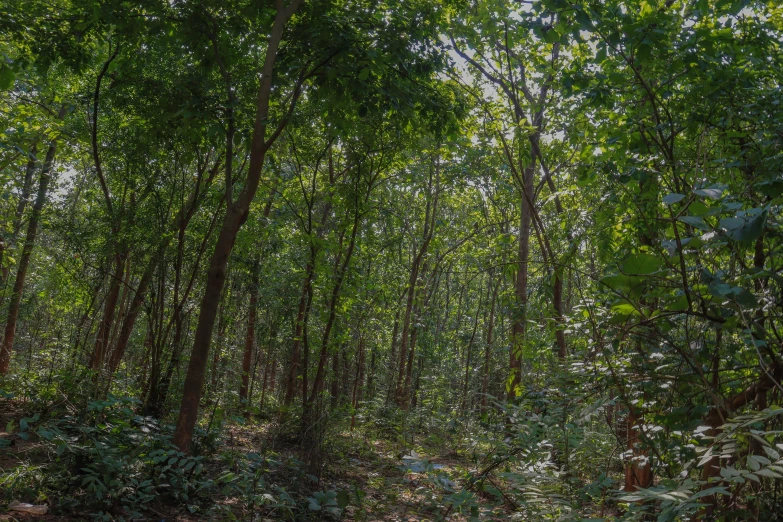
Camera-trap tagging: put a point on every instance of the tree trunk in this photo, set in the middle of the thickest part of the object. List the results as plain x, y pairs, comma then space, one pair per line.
159, 390
104, 329
488, 348
24, 260
264, 378
157, 399
356, 396
371, 375
334, 391
406, 352
123, 304
468, 354
520, 287
636, 475
221, 335
301, 317
393, 353
250, 339
236, 215
333, 301
24, 198
409, 367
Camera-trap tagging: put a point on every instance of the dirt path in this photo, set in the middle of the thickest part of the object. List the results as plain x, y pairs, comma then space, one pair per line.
384, 481
405, 487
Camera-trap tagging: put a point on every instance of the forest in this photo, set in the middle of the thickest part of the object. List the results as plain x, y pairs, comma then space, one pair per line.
385, 260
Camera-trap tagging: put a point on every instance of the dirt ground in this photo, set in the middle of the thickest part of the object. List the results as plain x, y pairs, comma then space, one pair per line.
374, 468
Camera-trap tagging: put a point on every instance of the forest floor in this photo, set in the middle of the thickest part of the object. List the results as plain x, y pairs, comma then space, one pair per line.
381, 470
393, 484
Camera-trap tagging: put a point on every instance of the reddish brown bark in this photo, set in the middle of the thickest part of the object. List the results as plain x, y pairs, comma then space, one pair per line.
639, 473
301, 317
109, 307
24, 260
718, 415
236, 215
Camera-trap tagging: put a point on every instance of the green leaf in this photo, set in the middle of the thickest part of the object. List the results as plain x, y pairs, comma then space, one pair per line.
672, 198
641, 264
7, 77
717, 490
753, 463
551, 36
750, 230
618, 282
695, 222
625, 309
342, 499
746, 299
364, 74
772, 188
714, 193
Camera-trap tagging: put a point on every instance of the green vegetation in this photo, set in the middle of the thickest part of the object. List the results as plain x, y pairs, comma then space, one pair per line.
381, 260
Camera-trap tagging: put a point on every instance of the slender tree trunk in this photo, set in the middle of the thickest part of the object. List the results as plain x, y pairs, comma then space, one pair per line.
109, 307
333, 301
488, 348
371, 375
335, 387
393, 353
557, 303
123, 303
24, 198
236, 215
306, 348
268, 365
301, 317
406, 346
272, 376
159, 391
24, 260
468, 355
156, 319
417, 383
409, 367
221, 335
520, 287
250, 339
157, 398
405, 336
356, 395
27, 188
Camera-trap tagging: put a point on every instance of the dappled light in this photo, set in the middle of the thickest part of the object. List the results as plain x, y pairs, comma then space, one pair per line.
367, 260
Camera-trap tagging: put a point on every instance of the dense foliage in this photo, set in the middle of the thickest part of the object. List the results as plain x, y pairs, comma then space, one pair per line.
324, 259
